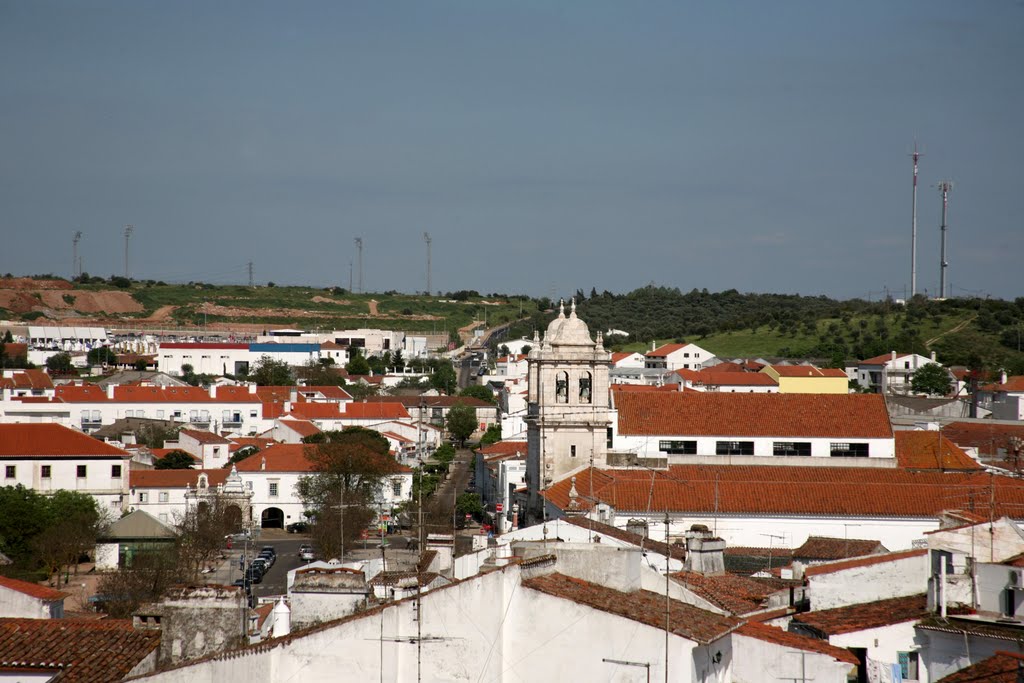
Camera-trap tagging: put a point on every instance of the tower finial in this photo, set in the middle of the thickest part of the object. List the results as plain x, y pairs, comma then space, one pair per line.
561, 308
572, 309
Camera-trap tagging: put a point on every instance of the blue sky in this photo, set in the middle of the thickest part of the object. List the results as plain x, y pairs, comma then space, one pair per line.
546, 146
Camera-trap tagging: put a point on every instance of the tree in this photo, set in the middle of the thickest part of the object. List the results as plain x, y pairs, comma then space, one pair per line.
270, 372
141, 364
932, 379
443, 378
151, 573
175, 460
74, 524
397, 361
60, 363
349, 468
492, 435
320, 373
357, 363
461, 422
154, 434
101, 355
201, 530
469, 504
478, 391
241, 454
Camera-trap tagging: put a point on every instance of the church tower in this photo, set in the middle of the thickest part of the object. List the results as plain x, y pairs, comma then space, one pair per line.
568, 404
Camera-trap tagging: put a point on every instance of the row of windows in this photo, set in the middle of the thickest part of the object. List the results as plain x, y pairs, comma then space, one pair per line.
193, 415
783, 448
46, 471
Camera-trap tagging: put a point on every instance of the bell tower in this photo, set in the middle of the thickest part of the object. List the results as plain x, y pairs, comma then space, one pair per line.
567, 404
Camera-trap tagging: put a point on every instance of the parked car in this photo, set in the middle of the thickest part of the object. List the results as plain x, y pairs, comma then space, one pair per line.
306, 553
269, 554
260, 565
297, 528
253, 574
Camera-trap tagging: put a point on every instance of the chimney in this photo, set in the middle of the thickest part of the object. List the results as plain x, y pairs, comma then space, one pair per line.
652, 345
263, 463
933, 356
705, 553
893, 356
1003, 377
213, 392
282, 619
293, 395
252, 389
110, 391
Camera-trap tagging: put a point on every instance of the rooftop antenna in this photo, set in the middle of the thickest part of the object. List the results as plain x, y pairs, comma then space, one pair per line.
915, 155
75, 239
944, 188
426, 238
359, 246
128, 230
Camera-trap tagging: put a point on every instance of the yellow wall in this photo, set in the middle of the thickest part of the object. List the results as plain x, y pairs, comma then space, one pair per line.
808, 385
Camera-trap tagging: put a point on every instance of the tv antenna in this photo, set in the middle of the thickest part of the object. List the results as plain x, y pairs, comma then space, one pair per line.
128, 230
75, 239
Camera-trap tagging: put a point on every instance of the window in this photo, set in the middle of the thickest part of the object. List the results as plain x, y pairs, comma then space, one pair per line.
248, 485
115, 471
562, 387
129, 413
572, 450
159, 414
143, 496
45, 471
163, 516
849, 450
81, 471
396, 487
164, 497
273, 489
734, 448
585, 382
678, 447
908, 665
791, 448
609, 435
9, 471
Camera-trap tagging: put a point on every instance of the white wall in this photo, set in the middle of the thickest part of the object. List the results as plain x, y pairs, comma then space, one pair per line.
898, 578
15, 604
648, 445
883, 644
757, 661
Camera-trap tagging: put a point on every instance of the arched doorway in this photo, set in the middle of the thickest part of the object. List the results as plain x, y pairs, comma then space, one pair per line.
272, 518
233, 518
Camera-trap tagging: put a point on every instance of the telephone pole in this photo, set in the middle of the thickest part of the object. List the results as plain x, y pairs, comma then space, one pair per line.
944, 188
426, 238
913, 227
359, 247
128, 230
75, 239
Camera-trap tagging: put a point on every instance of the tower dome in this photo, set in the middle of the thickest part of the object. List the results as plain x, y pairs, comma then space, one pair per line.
568, 331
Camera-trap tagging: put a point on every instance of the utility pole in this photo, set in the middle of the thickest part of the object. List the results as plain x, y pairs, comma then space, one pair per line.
359, 246
128, 230
250, 274
913, 227
944, 188
75, 239
426, 238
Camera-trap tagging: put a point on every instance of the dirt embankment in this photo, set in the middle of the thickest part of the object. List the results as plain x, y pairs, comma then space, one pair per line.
57, 302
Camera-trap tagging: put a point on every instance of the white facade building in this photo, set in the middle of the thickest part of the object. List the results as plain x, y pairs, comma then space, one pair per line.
677, 357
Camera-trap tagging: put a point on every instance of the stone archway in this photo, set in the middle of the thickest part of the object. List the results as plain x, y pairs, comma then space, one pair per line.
272, 518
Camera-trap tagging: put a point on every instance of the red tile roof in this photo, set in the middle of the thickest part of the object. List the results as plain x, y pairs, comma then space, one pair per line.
504, 448
329, 391
665, 350
987, 437
80, 393
620, 356
642, 606
174, 479
882, 359
854, 563
674, 550
647, 388
287, 457
833, 622
854, 416
768, 490
301, 427
48, 439
81, 650
1002, 667
800, 371
316, 411
259, 442
796, 641
826, 548
204, 437
27, 379
725, 378
32, 589
920, 450
203, 345
738, 595
1012, 384
376, 411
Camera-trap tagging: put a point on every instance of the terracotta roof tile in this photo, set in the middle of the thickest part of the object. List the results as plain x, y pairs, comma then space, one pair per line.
87, 651
665, 350
738, 595
853, 563
832, 622
921, 450
174, 479
882, 359
642, 606
204, 437
259, 442
716, 377
48, 439
32, 589
796, 641
1002, 667
989, 438
827, 548
288, 457
766, 489
727, 414
1012, 384
504, 448
301, 427
376, 411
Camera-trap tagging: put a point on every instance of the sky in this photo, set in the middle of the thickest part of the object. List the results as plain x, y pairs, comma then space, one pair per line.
545, 146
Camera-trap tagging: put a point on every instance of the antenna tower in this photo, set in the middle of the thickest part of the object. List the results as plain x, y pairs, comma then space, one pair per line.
250, 274
359, 246
426, 238
944, 188
913, 227
75, 239
128, 230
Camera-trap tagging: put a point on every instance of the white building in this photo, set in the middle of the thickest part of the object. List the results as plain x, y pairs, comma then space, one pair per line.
21, 599
728, 382
50, 457
677, 357
892, 372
